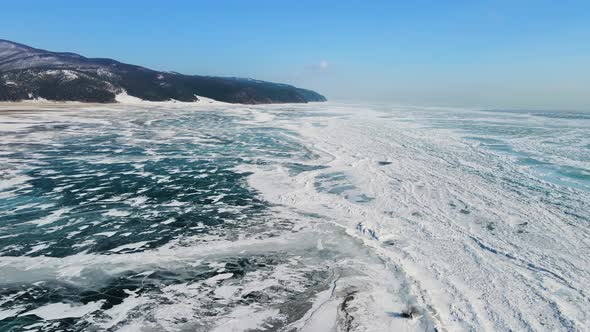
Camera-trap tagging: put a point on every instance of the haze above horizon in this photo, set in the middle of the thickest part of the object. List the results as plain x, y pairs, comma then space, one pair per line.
498, 54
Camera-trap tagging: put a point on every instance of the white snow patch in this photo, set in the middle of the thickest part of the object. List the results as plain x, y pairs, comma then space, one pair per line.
51, 218
116, 213
133, 246
220, 277
106, 234
7, 313
124, 98
38, 247
64, 310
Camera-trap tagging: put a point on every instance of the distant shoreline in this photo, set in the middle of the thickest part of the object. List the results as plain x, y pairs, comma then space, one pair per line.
8, 106
46, 105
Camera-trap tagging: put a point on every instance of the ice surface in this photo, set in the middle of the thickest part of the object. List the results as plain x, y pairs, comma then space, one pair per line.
166, 216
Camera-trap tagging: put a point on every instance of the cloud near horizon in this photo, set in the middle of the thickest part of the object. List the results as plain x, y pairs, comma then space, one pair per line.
322, 65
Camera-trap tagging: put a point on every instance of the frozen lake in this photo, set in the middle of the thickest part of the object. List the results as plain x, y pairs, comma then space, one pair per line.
313, 217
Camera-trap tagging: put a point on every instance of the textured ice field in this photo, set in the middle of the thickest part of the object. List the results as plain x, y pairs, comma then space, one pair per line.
318, 217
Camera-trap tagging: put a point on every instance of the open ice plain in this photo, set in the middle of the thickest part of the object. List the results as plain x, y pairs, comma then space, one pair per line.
314, 217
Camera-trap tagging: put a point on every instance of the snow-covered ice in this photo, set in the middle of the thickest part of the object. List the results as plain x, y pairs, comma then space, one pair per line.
317, 217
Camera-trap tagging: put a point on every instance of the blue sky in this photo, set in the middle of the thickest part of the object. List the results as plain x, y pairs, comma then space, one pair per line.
505, 54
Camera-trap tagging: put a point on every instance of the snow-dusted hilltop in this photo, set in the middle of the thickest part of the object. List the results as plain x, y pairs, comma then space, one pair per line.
28, 73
